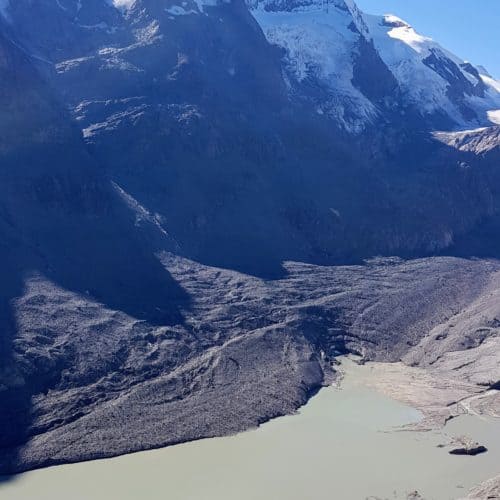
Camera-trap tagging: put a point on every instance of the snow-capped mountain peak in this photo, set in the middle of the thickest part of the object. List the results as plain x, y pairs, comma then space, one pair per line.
352, 68
329, 40
395, 21
401, 30
432, 78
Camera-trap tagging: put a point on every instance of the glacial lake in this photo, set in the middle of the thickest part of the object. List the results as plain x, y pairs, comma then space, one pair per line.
343, 445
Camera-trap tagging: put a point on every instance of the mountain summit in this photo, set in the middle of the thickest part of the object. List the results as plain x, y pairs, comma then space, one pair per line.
334, 44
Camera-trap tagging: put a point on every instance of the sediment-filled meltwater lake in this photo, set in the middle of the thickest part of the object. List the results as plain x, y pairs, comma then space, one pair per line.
345, 444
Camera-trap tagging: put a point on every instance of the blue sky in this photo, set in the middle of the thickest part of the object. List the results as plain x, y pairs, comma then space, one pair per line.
468, 28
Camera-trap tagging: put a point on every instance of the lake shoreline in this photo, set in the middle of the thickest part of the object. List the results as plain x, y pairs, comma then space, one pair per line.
356, 419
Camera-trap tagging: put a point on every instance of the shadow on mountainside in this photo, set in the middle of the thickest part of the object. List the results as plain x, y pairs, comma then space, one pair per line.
397, 193
79, 238
60, 219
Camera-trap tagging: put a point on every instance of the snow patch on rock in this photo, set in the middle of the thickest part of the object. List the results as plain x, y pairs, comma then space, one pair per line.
177, 10
491, 83
494, 116
122, 4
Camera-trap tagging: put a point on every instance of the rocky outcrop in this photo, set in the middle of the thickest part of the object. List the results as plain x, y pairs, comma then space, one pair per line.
488, 490
480, 141
467, 447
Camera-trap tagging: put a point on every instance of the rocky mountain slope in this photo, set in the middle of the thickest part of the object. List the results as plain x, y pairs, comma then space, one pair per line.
269, 120
246, 350
162, 164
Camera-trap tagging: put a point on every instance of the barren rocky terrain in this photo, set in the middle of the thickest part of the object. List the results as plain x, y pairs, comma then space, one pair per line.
243, 351
488, 490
